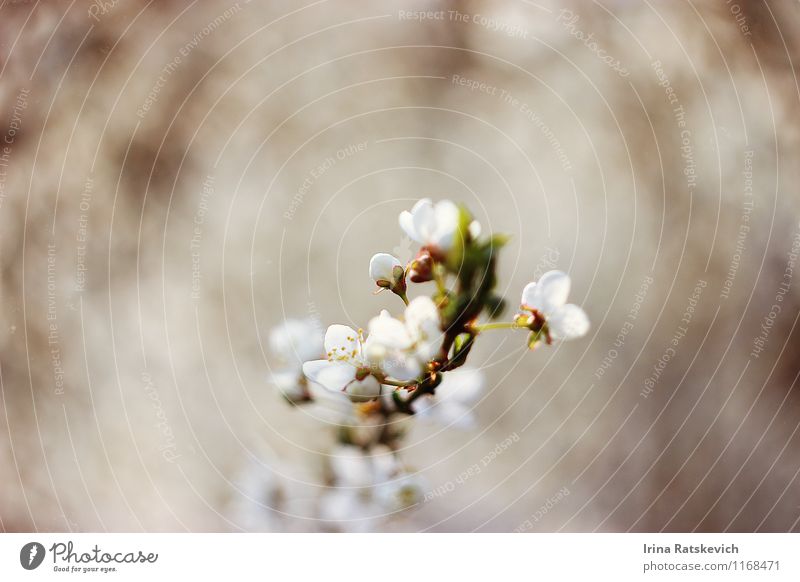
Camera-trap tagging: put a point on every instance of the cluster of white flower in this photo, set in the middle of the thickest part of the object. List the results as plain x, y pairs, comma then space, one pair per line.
412, 365
368, 487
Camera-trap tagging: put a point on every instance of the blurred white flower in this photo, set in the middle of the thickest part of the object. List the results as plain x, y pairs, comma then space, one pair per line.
431, 225
547, 300
346, 369
424, 327
346, 510
402, 492
294, 342
255, 503
352, 467
389, 347
435, 225
351, 505
403, 348
455, 398
403, 250
271, 495
386, 270
330, 406
289, 384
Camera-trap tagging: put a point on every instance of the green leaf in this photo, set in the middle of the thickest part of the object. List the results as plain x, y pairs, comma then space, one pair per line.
461, 341
461, 348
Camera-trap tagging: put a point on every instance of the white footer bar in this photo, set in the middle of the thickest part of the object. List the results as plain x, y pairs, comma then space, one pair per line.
407, 557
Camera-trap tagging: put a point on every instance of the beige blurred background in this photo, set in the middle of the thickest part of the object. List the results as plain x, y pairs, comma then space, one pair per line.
178, 178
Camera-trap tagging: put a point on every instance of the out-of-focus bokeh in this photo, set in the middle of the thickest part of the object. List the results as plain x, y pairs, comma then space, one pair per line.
178, 178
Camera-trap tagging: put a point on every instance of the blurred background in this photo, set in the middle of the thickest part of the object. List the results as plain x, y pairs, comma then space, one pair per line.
177, 178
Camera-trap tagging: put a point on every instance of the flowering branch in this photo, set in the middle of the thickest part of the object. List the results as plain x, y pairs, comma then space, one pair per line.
401, 364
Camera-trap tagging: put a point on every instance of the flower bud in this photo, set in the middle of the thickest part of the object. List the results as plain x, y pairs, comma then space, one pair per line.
421, 270
386, 270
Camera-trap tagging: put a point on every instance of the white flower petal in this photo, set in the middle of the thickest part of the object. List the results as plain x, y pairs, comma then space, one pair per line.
312, 368
287, 383
334, 376
474, 229
351, 467
388, 332
422, 317
381, 267
464, 385
362, 390
259, 489
529, 294
447, 218
568, 322
331, 406
455, 399
427, 350
424, 326
421, 309
296, 340
424, 217
433, 225
348, 511
445, 414
550, 292
401, 366
400, 493
384, 463
400, 349
375, 352
455, 416
421, 205
407, 224
342, 343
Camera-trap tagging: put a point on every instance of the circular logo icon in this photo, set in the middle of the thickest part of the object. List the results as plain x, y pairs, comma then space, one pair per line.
31, 555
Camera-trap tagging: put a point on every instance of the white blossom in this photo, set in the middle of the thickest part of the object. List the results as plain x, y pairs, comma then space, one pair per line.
331, 406
255, 502
289, 384
455, 399
432, 225
402, 492
346, 369
268, 495
294, 342
403, 348
352, 504
548, 299
352, 467
347, 511
424, 326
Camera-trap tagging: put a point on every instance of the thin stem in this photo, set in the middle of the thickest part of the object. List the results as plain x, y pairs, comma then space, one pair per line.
389, 382
402, 295
495, 325
425, 386
437, 276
